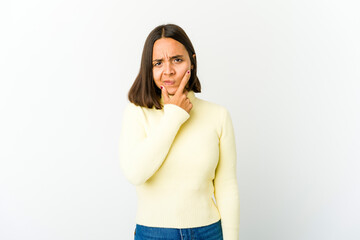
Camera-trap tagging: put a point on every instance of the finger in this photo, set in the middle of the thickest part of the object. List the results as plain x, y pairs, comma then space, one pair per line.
164, 93
183, 83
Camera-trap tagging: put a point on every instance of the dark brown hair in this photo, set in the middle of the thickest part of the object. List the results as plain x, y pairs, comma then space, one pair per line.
144, 91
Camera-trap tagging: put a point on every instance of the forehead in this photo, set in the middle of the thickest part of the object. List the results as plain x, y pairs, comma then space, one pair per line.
167, 47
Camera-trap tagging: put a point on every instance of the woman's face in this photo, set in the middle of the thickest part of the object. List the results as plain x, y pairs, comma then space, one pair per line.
170, 63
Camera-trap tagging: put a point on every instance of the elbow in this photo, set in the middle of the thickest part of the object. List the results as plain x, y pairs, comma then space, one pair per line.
134, 177
136, 180
133, 173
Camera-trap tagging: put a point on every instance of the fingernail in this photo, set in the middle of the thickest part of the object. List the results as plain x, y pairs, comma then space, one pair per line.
161, 87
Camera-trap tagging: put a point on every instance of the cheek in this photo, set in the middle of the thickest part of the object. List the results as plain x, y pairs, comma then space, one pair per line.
156, 74
183, 69
186, 66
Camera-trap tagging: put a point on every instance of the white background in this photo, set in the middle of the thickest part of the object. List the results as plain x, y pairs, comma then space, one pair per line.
288, 71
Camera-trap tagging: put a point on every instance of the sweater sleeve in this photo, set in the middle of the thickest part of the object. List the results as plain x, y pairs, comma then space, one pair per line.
142, 153
225, 182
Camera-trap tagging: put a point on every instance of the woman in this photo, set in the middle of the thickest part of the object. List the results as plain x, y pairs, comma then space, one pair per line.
178, 150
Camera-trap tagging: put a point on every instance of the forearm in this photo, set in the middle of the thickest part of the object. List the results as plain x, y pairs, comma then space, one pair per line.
142, 154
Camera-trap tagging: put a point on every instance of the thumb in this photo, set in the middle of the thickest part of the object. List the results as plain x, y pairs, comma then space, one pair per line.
164, 93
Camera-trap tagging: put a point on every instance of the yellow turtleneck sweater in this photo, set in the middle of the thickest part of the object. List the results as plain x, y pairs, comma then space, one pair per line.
177, 161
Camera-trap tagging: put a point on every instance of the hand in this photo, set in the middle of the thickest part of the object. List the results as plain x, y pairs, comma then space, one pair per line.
180, 97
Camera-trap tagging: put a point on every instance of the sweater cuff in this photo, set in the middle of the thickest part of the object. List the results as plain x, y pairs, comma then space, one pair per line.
176, 112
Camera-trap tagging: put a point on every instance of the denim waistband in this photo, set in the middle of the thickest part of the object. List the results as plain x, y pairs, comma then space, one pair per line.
210, 232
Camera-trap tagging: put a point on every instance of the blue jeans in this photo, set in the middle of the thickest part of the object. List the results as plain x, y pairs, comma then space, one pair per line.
209, 232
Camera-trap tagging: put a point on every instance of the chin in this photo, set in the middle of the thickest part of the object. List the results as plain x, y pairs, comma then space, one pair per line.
172, 91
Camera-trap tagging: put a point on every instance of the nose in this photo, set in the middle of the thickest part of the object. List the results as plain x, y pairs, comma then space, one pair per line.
168, 68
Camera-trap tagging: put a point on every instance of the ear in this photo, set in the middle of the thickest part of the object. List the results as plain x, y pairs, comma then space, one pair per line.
194, 55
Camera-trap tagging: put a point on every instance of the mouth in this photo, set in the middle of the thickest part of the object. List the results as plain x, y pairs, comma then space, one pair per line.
169, 82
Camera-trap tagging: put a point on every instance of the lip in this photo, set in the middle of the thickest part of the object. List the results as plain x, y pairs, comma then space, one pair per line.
169, 82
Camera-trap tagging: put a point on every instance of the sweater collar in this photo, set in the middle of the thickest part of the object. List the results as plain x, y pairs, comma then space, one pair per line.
190, 95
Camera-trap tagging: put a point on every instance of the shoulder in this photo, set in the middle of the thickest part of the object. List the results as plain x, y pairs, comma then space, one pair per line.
212, 108
215, 113
132, 110
132, 107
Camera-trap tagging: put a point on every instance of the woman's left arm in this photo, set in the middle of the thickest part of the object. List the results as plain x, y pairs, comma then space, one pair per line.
225, 183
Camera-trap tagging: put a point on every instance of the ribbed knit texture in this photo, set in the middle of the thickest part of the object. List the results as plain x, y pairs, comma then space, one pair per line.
177, 161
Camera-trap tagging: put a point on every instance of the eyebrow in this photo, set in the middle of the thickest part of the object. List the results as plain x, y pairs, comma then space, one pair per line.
176, 56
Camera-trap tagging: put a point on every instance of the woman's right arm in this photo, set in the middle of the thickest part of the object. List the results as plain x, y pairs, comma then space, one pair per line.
141, 153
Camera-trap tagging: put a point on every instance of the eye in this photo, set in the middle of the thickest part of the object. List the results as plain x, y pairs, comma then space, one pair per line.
157, 64
178, 60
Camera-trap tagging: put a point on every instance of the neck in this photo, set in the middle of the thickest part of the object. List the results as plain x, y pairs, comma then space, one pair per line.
190, 95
